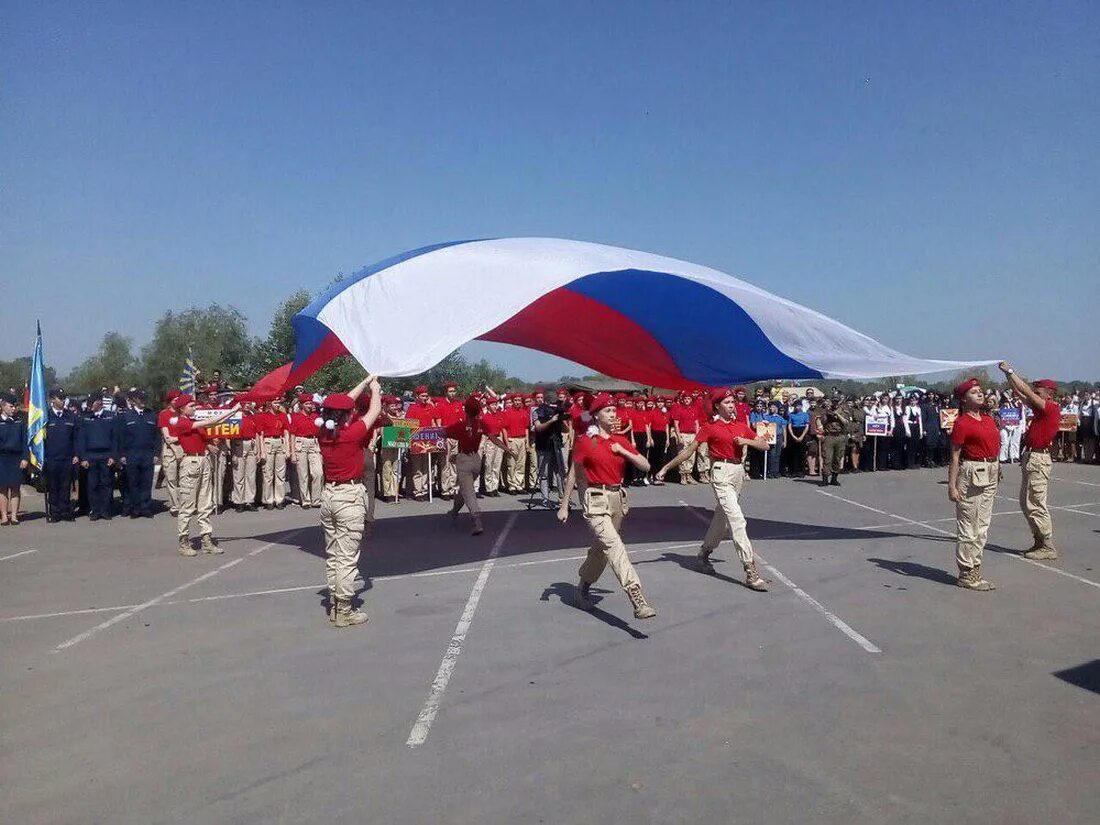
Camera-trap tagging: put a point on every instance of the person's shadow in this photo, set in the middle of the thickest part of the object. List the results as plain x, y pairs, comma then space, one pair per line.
566, 593
911, 568
691, 563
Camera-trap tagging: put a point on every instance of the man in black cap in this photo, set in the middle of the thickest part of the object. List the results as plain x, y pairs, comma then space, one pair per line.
138, 439
96, 448
61, 431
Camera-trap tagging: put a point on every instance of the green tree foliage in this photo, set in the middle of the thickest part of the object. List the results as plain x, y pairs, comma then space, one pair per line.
15, 374
217, 335
114, 364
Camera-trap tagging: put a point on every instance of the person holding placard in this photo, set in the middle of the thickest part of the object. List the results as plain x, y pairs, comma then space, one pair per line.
726, 437
1035, 461
972, 479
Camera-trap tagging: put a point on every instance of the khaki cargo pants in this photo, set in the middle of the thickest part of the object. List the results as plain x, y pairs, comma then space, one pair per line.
389, 472
343, 515
418, 474
1034, 483
493, 457
243, 452
170, 457
370, 480
448, 474
974, 510
686, 440
195, 499
308, 469
727, 480
604, 511
702, 463
274, 489
515, 464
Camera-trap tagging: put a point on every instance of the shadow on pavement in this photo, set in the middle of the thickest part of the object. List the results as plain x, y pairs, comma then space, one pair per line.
566, 593
911, 568
691, 564
1085, 676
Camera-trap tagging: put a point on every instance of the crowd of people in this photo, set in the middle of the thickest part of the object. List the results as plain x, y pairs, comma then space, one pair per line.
340, 452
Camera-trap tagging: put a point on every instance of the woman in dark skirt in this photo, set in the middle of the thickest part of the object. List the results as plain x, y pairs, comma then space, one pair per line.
13, 450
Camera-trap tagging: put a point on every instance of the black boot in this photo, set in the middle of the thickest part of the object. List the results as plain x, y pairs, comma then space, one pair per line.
834, 481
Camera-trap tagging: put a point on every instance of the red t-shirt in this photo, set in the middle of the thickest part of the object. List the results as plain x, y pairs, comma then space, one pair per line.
248, 426
468, 435
686, 418
719, 437
516, 422
450, 412
742, 409
191, 440
601, 466
658, 421
342, 451
164, 416
270, 425
1043, 428
425, 414
979, 439
303, 424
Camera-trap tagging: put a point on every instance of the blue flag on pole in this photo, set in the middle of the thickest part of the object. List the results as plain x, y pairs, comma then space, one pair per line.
36, 408
187, 377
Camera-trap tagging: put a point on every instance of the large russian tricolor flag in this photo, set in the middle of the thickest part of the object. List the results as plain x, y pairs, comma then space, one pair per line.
627, 314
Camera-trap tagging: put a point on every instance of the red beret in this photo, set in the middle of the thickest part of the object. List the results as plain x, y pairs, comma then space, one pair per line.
182, 400
718, 395
1045, 384
390, 399
472, 406
599, 402
965, 386
172, 393
420, 390
305, 398
620, 396
740, 389
339, 401
449, 385
537, 390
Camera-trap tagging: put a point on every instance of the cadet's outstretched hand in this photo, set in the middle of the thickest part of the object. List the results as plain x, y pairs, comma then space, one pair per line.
563, 512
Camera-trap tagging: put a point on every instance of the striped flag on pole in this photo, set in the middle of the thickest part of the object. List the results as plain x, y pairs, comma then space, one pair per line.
187, 377
36, 407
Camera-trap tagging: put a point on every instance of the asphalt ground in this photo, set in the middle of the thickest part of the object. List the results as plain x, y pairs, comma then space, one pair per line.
142, 687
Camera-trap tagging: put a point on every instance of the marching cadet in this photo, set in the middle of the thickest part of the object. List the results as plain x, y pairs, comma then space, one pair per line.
726, 437
272, 427
425, 413
602, 457
196, 500
972, 480
138, 438
450, 412
97, 446
495, 418
389, 455
468, 434
61, 457
1035, 463
170, 452
834, 441
683, 421
244, 455
13, 459
342, 439
307, 454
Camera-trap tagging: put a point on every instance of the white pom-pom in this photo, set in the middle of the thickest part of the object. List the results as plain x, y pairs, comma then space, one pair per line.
593, 431
318, 422
586, 416
330, 425
174, 420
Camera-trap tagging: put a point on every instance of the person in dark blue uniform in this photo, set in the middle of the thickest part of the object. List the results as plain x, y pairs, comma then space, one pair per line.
138, 438
96, 447
61, 429
13, 459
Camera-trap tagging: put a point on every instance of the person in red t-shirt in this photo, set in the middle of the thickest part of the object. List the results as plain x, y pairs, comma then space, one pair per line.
726, 437
342, 440
602, 457
516, 421
427, 414
450, 412
1035, 463
196, 493
244, 456
305, 455
467, 435
683, 424
388, 475
170, 452
972, 481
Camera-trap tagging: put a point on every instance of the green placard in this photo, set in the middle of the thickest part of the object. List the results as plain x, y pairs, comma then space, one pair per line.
396, 437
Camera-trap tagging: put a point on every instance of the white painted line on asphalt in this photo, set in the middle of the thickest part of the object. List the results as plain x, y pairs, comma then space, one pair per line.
114, 609
1075, 510
830, 617
1075, 481
17, 555
1015, 556
423, 725
121, 617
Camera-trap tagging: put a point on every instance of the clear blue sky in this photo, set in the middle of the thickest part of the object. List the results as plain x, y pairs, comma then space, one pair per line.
928, 173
